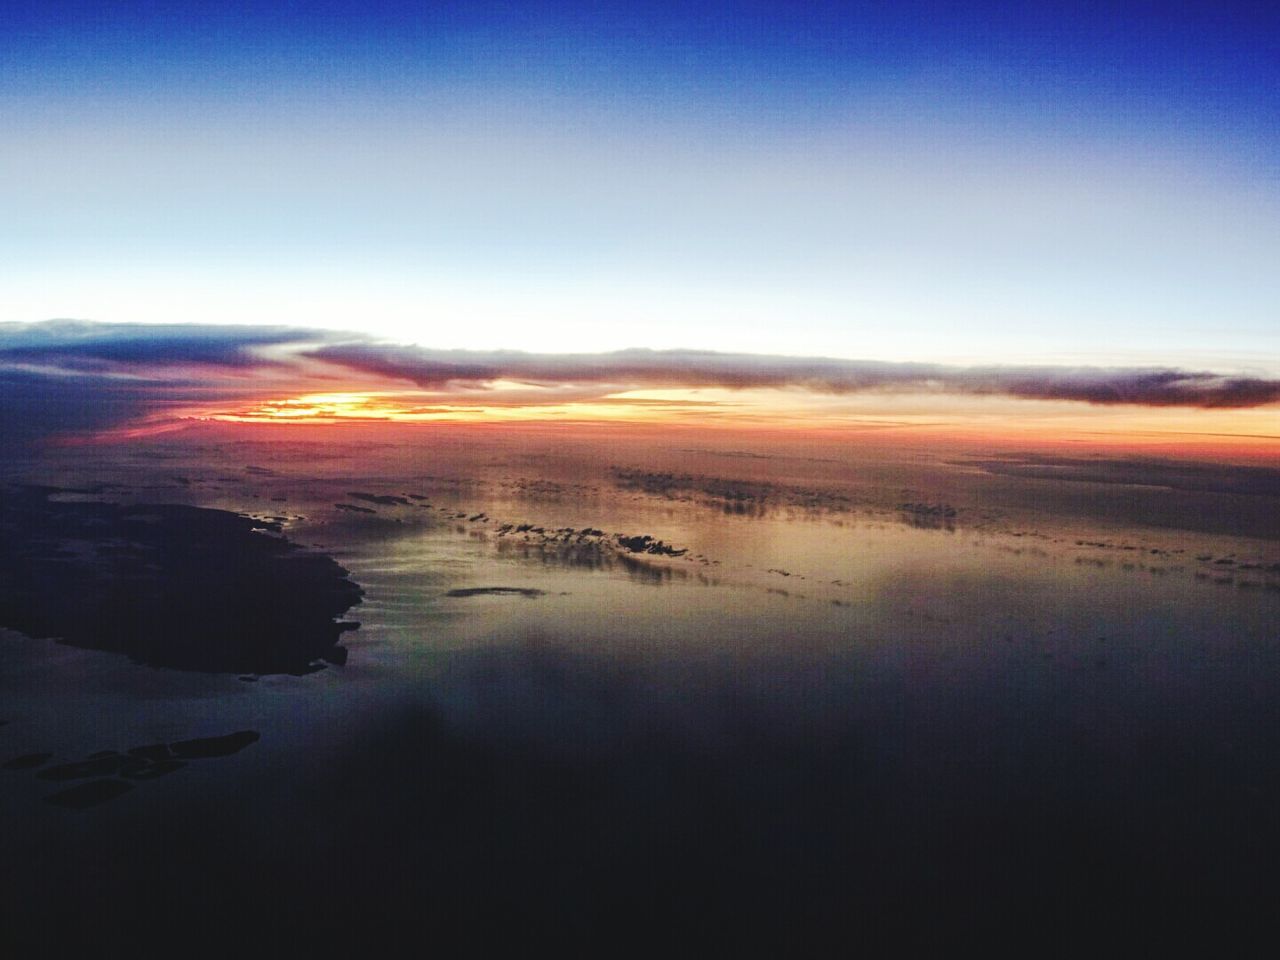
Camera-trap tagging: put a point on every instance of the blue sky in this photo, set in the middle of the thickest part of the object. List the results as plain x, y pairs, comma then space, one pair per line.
932, 182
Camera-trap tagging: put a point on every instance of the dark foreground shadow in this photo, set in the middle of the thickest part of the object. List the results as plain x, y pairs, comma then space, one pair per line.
420, 837
112, 774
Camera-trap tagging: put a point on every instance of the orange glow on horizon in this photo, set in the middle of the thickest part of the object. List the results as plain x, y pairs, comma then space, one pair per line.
487, 406
896, 418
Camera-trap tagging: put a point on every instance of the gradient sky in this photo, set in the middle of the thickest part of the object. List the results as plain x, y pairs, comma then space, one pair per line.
902, 181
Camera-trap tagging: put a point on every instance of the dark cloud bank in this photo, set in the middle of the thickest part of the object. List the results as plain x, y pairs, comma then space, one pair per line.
437, 369
64, 376
69, 376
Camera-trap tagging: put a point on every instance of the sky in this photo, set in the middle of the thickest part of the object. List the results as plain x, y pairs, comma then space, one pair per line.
1082, 185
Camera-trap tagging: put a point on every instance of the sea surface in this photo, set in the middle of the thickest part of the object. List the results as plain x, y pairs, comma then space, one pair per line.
679, 694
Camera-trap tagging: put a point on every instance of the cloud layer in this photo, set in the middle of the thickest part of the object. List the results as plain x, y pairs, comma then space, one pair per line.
74, 376
68, 376
1156, 387
76, 345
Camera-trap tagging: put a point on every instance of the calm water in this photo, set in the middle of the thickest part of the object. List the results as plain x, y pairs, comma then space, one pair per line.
912, 707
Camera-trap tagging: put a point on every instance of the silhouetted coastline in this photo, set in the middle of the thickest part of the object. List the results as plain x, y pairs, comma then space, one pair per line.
169, 585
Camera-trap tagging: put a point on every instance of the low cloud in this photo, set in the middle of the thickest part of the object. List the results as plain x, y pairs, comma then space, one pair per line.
72, 376
630, 369
76, 377
81, 346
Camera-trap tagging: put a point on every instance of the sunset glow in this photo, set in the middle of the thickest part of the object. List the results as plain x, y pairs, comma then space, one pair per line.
121, 382
748, 478
919, 416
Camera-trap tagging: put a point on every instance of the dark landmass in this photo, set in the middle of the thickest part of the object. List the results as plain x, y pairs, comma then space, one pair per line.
590, 548
495, 591
170, 586
89, 794
382, 500
590, 537
1172, 475
101, 766
647, 544
105, 768
595, 555
206, 747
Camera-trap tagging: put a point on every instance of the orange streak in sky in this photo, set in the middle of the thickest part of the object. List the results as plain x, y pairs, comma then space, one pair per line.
927, 420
